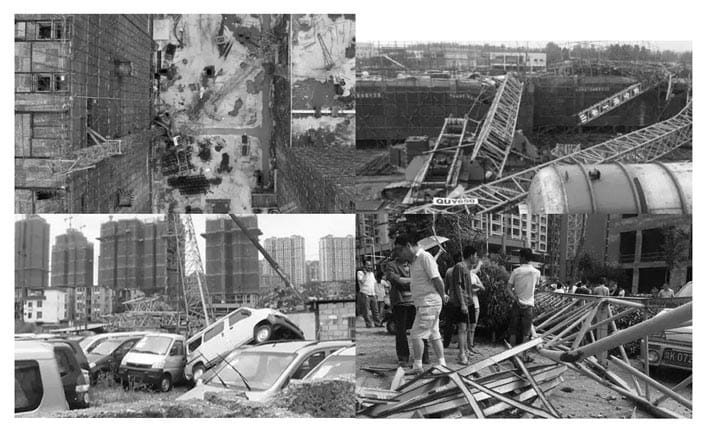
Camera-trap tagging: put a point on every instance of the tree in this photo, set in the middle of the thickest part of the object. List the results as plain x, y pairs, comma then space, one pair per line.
675, 247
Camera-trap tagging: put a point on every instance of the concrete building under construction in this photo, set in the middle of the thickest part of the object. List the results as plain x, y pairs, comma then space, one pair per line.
82, 106
637, 247
231, 261
31, 254
140, 255
72, 260
337, 258
289, 253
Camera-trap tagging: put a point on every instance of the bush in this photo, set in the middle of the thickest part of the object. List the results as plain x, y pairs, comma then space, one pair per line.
495, 303
321, 398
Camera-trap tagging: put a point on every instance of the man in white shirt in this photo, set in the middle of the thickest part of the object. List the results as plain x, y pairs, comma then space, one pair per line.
367, 290
523, 280
428, 295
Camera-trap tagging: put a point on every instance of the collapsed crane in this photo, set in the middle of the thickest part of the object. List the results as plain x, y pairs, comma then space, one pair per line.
270, 260
488, 142
643, 145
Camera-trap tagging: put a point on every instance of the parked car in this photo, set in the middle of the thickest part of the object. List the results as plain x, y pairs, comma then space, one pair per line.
339, 364
672, 348
38, 386
241, 326
75, 345
157, 359
105, 358
263, 370
88, 344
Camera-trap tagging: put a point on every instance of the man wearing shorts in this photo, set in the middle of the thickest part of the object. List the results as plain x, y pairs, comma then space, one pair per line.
428, 295
523, 280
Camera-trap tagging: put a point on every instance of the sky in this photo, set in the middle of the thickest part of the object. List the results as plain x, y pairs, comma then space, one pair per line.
310, 226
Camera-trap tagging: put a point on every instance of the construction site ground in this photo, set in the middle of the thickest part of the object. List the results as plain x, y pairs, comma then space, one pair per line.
323, 53
576, 397
217, 96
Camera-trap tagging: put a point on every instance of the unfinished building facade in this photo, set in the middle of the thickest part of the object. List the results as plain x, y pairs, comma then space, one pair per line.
231, 263
140, 255
31, 253
82, 109
337, 258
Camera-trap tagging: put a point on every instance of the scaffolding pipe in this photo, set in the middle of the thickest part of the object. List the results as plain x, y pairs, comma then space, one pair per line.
672, 318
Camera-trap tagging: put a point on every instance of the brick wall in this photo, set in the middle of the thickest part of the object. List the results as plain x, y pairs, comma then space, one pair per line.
336, 320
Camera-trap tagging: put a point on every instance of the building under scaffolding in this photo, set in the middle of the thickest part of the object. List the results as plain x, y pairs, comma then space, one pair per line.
82, 101
140, 255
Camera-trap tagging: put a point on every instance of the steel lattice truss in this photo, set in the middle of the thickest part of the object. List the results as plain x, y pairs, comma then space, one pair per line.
574, 331
191, 272
454, 133
494, 141
580, 330
644, 145
140, 320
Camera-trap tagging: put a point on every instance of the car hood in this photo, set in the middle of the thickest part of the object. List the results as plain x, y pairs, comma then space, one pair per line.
142, 358
682, 334
198, 393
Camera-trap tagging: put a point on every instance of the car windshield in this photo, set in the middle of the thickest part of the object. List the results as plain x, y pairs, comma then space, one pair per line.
260, 370
90, 343
107, 347
157, 345
335, 366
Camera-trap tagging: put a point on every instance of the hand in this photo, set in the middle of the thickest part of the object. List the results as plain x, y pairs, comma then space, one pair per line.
464, 309
445, 299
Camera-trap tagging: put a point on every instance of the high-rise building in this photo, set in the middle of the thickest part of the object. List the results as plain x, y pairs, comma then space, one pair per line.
139, 255
507, 233
232, 267
72, 260
31, 254
337, 258
312, 271
289, 253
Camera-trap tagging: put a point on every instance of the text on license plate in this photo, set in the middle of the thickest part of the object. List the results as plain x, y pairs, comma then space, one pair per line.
678, 358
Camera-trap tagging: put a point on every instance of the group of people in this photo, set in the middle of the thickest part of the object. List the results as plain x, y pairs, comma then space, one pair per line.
600, 286
418, 295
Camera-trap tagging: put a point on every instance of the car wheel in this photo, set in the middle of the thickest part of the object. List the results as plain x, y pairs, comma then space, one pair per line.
197, 372
262, 333
165, 383
391, 327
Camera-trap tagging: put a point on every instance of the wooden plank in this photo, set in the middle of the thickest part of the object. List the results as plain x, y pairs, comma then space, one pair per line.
455, 377
398, 378
522, 406
446, 404
535, 386
477, 366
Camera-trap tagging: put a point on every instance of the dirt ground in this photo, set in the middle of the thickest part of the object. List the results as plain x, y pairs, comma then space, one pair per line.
576, 397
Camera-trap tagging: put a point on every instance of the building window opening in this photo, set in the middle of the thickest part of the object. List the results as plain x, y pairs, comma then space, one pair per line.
44, 30
44, 83
60, 82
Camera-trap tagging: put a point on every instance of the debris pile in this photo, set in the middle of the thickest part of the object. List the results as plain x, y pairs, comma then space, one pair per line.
321, 398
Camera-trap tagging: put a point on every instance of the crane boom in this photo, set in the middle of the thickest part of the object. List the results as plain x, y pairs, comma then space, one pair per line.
267, 256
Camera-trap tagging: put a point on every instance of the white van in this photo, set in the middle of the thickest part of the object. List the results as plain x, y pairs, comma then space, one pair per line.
242, 326
158, 359
38, 385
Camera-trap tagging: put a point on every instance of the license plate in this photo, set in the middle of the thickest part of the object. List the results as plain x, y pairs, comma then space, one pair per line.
678, 358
